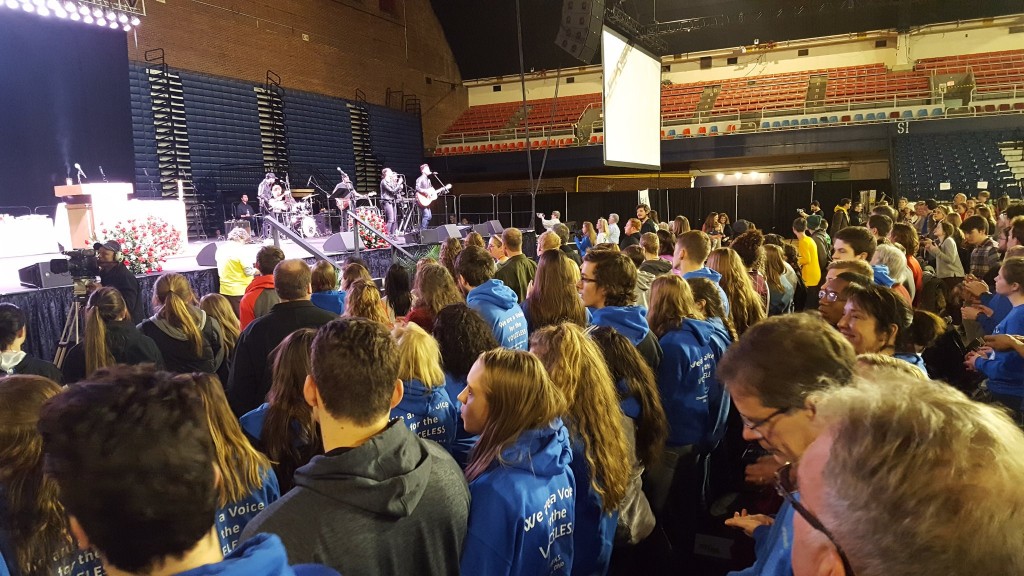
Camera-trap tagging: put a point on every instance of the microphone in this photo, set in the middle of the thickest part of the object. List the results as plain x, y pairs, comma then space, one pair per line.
310, 181
81, 174
339, 169
102, 174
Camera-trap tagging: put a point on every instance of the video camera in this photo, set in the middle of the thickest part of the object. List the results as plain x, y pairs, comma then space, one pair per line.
81, 263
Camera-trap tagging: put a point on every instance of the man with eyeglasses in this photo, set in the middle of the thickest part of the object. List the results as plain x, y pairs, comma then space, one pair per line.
838, 276
908, 476
769, 374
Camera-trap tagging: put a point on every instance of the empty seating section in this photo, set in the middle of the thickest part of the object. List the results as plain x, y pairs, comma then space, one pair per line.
772, 92
963, 159
484, 118
991, 70
874, 82
763, 101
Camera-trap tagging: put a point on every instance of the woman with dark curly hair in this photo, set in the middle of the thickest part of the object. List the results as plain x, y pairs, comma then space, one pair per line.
449, 254
462, 335
434, 289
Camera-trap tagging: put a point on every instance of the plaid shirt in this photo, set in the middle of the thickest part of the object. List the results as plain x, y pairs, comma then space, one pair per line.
984, 257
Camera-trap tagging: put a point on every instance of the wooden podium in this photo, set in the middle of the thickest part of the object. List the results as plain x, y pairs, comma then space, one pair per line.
91, 205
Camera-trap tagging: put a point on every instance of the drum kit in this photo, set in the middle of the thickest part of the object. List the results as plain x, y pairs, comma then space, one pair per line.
300, 218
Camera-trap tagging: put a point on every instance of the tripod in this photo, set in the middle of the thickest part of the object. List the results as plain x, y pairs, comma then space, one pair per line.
72, 324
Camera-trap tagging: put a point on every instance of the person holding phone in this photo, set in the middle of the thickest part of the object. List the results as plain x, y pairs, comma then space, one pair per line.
1004, 368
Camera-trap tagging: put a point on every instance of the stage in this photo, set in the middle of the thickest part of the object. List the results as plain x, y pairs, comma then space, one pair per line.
47, 308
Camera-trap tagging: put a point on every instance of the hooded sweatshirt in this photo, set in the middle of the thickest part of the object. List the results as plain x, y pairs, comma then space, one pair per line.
126, 344
631, 322
689, 391
882, 278
428, 413
258, 299
395, 484
18, 362
263, 555
642, 291
1005, 370
499, 307
593, 532
232, 517
179, 355
524, 509
773, 546
656, 267
464, 441
715, 277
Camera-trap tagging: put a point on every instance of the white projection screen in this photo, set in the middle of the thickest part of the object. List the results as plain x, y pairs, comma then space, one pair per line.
632, 103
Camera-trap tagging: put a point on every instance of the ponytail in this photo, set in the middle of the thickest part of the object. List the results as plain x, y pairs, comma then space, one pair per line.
922, 333
105, 305
174, 294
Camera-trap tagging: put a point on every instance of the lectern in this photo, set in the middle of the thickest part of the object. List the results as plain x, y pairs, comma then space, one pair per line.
91, 206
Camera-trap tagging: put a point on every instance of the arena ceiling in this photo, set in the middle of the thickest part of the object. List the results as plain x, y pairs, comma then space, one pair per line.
482, 33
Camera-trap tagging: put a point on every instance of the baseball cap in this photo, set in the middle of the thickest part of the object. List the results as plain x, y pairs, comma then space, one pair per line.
111, 245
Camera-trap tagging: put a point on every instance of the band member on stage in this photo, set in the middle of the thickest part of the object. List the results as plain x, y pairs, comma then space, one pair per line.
425, 189
280, 201
345, 196
243, 211
263, 192
391, 185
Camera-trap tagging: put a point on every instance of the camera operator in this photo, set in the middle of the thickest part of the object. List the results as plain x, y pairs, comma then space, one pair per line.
115, 274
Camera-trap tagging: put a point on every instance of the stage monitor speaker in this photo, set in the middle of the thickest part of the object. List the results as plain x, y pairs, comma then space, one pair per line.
342, 242
440, 234
579, 32
496, 227
39, 276
484, 229
208, 255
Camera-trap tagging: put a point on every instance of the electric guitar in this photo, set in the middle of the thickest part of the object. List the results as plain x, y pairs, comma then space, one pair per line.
425, 197
344, 203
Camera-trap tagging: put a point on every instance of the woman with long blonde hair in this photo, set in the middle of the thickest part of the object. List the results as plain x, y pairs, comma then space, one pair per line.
363, 300
247, 482
188, 338
601, 459
553, 298
589, 238
602, 231
426, 408
781, 290
218, 307
110, 338
353, 272
746, 307
523, 496
34, 533
283, 427
434, 288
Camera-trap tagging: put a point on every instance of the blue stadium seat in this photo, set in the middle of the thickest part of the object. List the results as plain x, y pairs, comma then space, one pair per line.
922, 113
766, 125
785, 123
908, 114
833, 119
858, 117
937, 112
814, 121
671, 132
870, 117
776, 124
804, 122
714, 129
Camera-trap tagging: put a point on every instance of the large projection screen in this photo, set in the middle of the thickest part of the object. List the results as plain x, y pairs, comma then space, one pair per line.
632, 103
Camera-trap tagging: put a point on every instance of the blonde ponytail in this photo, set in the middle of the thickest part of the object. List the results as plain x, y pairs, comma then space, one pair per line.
105, 305
174, 295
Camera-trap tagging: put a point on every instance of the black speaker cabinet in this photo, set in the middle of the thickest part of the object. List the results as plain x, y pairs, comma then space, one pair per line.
579, 32
342, 242
440, 234
207, 256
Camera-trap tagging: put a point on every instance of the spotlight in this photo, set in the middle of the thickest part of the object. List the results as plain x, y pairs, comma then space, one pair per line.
97, 13
111, 15
75, 16
83, 10
127, 28
755, 174
70, 6
114, 25
42, 11
13, 4
87, 19
101, 22
28, 7
738, 175
135, 21
122, 18
719, 176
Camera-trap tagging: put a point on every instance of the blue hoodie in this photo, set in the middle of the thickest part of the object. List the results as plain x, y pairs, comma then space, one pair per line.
630, 321
1000, 306
499, 306
773, 546
1006, 371
330, 300
593, 533
261, 555
232, 518
915, 359
715, 277
523, 510
429, 414
882, 277
464, 441
74, 562
690, 393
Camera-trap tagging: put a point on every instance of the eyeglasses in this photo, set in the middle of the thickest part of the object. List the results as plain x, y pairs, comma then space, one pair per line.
753, 426
584, 279
784, 486
828, 295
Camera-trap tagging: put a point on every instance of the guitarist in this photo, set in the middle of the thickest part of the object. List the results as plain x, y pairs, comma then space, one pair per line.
426, 194
391, 185
345, 197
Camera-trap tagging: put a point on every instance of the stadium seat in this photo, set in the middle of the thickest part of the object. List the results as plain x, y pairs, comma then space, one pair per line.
766, 125
672, 133
1018, 106
907, 114
714, 130
686, 132
833, 119
894, 115
520, 145
703, 130
776, 124
1004, 107
870, 117
858, 117
846, 118
785, 123
593, 138
804, 122
922, 113
937, 112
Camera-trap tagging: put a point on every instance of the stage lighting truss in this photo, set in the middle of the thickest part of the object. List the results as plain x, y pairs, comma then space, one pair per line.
114, 14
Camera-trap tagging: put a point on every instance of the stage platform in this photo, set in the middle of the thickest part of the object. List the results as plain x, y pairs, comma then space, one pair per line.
47, 308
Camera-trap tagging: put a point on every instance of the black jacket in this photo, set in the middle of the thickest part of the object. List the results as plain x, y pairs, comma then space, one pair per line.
36, 367
127, 345
656, 267
573, 253
249, 381
627, 240
179, 355
118, 276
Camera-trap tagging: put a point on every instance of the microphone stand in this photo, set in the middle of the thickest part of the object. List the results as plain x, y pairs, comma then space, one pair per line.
445, 194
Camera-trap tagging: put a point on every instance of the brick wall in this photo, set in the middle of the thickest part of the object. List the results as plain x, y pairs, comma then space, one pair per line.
331, 47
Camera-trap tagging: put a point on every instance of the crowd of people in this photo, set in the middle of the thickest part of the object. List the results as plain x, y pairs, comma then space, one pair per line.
590, 411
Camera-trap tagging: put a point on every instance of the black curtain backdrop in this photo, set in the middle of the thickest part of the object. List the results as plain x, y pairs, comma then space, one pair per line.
755, 202
829, 193
789, 198
65, 99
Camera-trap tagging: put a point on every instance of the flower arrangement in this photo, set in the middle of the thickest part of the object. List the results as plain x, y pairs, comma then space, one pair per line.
372, 217
145, 244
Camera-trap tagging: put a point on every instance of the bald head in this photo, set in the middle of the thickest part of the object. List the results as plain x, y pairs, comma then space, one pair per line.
292, 280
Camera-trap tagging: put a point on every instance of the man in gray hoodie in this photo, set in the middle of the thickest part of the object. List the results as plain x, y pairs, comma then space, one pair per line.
381, 500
